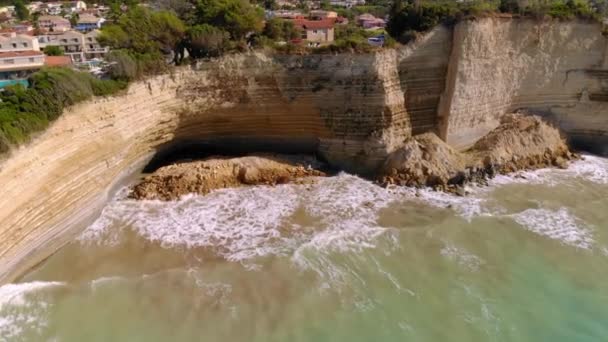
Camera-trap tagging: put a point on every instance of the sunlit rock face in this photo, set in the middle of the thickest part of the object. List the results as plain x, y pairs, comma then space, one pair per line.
554, 68
353, 110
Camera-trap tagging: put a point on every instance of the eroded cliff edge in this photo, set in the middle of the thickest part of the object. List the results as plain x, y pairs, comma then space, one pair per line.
353, 110
555, 69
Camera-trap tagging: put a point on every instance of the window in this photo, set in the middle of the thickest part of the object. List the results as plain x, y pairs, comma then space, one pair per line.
31, 60
14, 45
91, 46
9, 61
75, 40
24, 44
90, 39
315, 31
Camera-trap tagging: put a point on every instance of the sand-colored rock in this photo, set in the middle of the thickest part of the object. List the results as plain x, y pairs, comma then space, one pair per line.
200, 177
520, 142
424, 160
352, 109
558, 69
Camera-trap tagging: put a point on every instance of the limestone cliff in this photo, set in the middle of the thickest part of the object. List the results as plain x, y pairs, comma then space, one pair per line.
352, 109
557, 69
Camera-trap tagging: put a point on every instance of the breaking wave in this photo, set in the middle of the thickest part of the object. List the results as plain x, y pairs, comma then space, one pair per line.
332, 215
23, 309
556, 224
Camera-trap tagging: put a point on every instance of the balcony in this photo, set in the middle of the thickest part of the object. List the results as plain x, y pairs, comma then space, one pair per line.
96, 50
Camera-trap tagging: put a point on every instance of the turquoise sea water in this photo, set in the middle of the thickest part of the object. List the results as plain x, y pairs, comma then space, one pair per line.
525, 259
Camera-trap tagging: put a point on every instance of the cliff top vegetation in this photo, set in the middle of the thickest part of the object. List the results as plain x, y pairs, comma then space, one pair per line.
407, 17
148, 39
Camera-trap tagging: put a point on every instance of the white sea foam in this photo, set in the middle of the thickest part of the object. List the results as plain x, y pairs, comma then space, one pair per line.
590, 167
19, 313
556, 224
243, 223
348, 208
16, 294
105, 281
467, 207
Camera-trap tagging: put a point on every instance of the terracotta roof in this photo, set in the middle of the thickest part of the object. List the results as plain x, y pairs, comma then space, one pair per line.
58, 61
29, 53
314, 24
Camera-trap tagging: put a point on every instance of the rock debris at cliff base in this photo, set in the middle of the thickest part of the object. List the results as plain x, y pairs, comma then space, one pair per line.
520, 142
200, 177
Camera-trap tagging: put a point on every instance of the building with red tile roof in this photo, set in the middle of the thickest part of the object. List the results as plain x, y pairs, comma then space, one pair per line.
317, 31
58, 61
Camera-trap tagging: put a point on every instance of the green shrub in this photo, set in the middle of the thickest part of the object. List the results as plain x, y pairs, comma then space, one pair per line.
123, 65
24, 111
569, 9
421, 17
52, 50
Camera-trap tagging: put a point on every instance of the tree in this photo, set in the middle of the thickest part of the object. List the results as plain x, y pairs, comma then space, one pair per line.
237, 17
183, 8
149, 37
270, 4
206, 41
114, 11
53, 50
144, 32
21, 10
74, 19
277, 29
509, 6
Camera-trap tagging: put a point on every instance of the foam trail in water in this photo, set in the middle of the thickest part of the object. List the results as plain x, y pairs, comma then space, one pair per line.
559, 225
462, 257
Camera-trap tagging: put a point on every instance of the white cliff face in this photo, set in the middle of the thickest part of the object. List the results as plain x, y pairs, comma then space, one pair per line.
500, 65
352, 109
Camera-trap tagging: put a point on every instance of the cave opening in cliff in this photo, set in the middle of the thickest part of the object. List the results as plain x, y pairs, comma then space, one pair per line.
192, 150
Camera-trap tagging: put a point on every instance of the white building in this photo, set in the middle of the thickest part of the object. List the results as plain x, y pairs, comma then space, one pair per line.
92, 48
14, 61
80, 47
54, 23
12, 42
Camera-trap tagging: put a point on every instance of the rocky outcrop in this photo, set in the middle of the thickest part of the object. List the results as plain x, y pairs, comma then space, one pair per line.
354, 110
520, 142
200, 177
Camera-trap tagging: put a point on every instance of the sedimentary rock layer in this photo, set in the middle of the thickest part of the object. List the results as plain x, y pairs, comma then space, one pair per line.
352, 109
557, 69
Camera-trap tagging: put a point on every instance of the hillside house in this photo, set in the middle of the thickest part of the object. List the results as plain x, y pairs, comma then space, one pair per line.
316, 31
88, 23
53, 23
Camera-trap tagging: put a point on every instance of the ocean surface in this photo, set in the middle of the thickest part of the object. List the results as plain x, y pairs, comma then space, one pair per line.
524, 259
